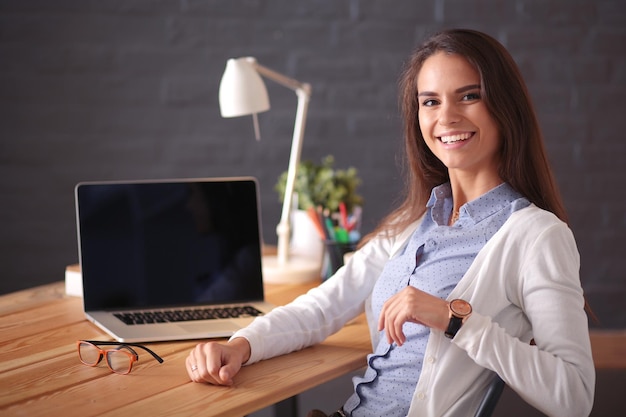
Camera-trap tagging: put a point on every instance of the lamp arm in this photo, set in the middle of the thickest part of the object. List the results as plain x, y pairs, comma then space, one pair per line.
283, 229
279, 78
303, 91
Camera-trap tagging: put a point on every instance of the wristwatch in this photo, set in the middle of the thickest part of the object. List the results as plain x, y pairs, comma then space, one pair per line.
460, 310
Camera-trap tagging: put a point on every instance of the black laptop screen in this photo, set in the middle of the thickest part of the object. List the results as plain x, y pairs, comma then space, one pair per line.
152, 244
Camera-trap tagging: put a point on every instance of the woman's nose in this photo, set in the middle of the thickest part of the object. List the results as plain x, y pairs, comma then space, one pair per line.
448, 114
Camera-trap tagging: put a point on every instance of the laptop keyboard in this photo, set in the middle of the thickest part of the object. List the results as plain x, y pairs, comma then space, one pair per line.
164, 316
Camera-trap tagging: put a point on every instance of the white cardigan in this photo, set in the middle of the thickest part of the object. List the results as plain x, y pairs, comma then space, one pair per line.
523, 284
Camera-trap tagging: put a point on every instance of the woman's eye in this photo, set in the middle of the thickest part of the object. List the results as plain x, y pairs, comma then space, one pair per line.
471, 96
429, 103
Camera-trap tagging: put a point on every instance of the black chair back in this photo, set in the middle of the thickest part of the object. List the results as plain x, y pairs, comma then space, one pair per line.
490, 400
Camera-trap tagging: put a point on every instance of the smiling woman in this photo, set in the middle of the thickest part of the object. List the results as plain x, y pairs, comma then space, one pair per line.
457, 125
501, 87
474, 264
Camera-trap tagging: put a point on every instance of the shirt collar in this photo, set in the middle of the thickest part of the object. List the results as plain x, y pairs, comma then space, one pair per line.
441, 203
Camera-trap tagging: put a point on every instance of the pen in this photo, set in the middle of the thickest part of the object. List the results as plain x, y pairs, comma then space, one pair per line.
355, 219
329, 225
343, 215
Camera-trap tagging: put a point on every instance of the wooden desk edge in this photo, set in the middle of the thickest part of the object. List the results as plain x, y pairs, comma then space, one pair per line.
609, 345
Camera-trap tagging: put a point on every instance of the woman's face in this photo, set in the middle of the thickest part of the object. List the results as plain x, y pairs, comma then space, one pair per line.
454, 120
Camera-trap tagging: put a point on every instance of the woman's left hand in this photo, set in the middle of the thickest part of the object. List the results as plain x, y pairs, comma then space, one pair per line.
415, 306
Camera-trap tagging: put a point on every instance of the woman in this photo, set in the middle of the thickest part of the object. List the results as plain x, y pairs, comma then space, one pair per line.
474, 264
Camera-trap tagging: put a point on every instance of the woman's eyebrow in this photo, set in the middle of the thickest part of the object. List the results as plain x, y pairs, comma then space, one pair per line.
468, 88
457, 91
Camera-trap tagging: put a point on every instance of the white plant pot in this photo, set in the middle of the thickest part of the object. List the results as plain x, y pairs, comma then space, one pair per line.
305, 240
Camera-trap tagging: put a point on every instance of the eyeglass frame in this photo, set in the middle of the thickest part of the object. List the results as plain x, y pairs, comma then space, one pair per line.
132, 356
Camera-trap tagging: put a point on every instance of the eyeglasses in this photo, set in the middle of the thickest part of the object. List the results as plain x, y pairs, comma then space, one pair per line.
119, 360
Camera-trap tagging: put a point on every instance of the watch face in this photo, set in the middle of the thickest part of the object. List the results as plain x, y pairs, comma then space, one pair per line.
460, 307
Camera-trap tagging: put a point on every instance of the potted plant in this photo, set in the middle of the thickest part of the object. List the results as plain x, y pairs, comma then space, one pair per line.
322, 185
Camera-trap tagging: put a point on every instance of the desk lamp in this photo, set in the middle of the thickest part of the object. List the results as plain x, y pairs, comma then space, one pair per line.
242, 92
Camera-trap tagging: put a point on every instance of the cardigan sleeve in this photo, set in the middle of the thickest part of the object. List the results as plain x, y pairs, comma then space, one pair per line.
557, 375
322, 311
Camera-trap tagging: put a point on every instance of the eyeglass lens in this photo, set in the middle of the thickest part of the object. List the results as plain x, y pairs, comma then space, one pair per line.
118, 360
89, 354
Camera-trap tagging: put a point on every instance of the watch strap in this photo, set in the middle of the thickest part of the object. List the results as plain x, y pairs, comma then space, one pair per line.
453, 326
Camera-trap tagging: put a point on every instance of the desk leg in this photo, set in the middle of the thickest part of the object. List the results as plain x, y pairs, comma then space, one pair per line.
287, 408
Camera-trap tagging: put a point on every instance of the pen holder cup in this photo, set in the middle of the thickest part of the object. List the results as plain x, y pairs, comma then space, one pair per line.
333, 259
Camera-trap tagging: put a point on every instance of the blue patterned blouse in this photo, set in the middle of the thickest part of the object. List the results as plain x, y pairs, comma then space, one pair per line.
435, 259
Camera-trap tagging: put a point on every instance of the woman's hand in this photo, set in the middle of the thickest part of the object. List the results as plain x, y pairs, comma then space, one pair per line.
217, 363
415, 306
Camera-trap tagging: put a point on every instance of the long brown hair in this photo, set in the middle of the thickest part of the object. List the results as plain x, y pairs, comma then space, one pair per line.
523, 161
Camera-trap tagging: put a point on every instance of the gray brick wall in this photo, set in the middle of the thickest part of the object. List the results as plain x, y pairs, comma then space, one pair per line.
127, 89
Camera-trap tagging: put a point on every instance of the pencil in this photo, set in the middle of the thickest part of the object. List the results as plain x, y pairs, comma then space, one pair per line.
322, 222
316, 222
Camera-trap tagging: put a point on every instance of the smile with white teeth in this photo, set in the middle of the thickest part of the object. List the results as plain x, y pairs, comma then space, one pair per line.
455, 138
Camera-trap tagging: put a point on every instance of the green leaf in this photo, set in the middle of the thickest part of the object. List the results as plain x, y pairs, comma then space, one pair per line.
322, 185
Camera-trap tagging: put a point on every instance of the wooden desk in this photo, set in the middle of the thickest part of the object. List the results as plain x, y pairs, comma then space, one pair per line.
40, 373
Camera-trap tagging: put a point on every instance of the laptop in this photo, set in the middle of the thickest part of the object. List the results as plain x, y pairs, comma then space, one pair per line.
170, 259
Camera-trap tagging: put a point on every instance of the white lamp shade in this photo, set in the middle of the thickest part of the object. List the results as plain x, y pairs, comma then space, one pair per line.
242, 91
